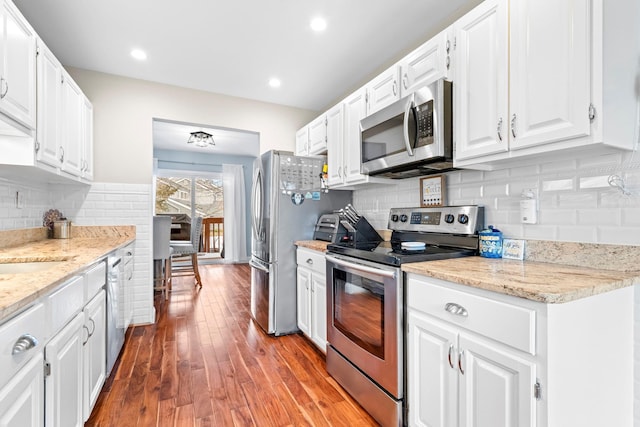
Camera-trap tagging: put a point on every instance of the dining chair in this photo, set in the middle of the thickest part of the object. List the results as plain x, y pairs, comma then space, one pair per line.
183, 248
162, 254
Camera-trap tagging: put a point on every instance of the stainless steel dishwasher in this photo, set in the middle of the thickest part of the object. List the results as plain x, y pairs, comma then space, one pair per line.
115, 328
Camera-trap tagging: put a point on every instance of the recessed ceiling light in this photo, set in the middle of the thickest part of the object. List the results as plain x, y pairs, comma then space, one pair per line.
139, 54
274, 82
318, 24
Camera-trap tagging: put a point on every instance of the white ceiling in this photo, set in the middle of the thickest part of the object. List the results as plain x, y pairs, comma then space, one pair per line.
171, 135
234, 47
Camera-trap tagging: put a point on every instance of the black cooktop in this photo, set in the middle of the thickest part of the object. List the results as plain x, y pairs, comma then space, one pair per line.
392, 253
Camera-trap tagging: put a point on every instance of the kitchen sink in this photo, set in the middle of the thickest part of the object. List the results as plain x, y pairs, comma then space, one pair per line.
27, 267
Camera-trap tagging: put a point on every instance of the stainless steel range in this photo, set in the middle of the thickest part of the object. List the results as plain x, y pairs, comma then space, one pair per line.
365, 300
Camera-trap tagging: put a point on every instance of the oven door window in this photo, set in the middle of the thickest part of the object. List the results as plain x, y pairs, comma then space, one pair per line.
358, 310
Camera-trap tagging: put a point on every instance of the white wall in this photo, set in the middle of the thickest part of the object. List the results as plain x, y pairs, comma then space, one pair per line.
124, 109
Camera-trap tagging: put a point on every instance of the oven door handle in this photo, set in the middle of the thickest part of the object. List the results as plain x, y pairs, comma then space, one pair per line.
360, 267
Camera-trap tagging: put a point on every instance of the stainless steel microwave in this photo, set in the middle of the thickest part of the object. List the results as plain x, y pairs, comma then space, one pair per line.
412, 136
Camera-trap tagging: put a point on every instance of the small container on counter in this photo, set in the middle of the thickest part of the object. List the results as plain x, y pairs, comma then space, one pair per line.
490, 243
61, 228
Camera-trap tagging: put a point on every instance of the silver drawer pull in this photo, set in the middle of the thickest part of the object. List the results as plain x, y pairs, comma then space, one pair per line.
454, 308
310, 261
24, 343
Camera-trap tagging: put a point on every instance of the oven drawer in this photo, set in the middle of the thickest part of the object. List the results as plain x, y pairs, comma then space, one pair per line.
507, 323
311, 259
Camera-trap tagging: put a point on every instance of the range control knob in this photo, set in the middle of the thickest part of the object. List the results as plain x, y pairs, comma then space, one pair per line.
449, 218
394, 218
463, 219
403, 218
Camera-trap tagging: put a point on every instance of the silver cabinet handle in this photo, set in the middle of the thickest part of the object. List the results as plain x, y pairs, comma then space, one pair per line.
448, 46
405, 80
61, 154
24, 343
310, 261
93, 326
3, 82
513, 125
340, 171
395, 88
449, 356
88, 334
460, 361
500, 129
448, 62
457, 309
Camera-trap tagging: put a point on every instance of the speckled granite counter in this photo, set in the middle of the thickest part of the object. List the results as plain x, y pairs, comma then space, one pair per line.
537, 281
316, 245
87, 246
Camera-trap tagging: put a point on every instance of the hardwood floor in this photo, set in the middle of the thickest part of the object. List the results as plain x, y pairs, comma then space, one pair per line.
204, 362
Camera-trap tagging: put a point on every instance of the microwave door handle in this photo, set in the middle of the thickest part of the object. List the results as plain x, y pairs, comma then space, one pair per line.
405, 127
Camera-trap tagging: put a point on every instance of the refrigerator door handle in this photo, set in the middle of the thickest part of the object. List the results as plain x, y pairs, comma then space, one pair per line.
257, 206
254, 264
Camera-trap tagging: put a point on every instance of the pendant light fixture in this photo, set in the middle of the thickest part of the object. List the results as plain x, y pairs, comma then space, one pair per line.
201, 139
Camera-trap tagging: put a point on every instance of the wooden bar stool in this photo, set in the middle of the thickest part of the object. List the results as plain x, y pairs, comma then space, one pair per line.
182, 248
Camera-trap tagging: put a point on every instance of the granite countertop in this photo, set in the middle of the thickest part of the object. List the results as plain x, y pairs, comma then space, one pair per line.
316, 245
77, 253
537, 281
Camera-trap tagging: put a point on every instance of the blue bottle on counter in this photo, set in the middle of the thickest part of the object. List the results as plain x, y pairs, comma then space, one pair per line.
490, 242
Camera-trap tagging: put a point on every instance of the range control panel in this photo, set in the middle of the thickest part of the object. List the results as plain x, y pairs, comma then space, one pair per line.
446, 219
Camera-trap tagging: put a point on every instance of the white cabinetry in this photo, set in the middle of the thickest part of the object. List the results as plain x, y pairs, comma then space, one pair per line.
17, 71
428, 63
383, 89
312, 296
302, 141
531, 79
22, 399
127, 283
63, 385
311, 140
64, 138
481, 358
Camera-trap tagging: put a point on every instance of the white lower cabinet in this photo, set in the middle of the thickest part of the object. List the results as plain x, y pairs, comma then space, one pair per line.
312, 296
53, 355
63, 380
94, 360
22, 399
480, 358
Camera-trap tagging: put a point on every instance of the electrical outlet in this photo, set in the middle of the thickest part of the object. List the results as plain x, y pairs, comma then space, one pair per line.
19, 200
529, 206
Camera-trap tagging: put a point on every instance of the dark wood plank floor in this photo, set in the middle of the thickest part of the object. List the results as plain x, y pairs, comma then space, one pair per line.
204, 362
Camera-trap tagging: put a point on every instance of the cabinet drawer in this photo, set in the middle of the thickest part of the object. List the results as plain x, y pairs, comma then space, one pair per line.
29, 328
95, 280
507, 323
64, 303
311, 259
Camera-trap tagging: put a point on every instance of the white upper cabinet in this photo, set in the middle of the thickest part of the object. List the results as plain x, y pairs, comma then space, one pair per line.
383, 90
335, 146
429, 62
17, 68
87, 140
302, 142
72, 137
481, 83
318, 136
550, 74
531, 78
48, 135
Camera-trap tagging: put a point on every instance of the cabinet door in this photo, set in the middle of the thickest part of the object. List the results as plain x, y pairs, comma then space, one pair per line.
303, 278
355, 109
383, 90
87, 140
49, 107
22, 399
318, 136
63, 386
94, 360
319, 310
18, 80
72, 106
335, 145
428, 63
550, 67
432, 372
496, 388
481, 82
302, 142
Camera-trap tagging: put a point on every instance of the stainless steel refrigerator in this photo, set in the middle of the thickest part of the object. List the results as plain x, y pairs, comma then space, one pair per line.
286, 201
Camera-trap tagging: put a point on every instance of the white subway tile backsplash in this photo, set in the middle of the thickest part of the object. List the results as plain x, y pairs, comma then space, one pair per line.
619, 235
561, 166
557, 185
601, 181
599, 216
578, 234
